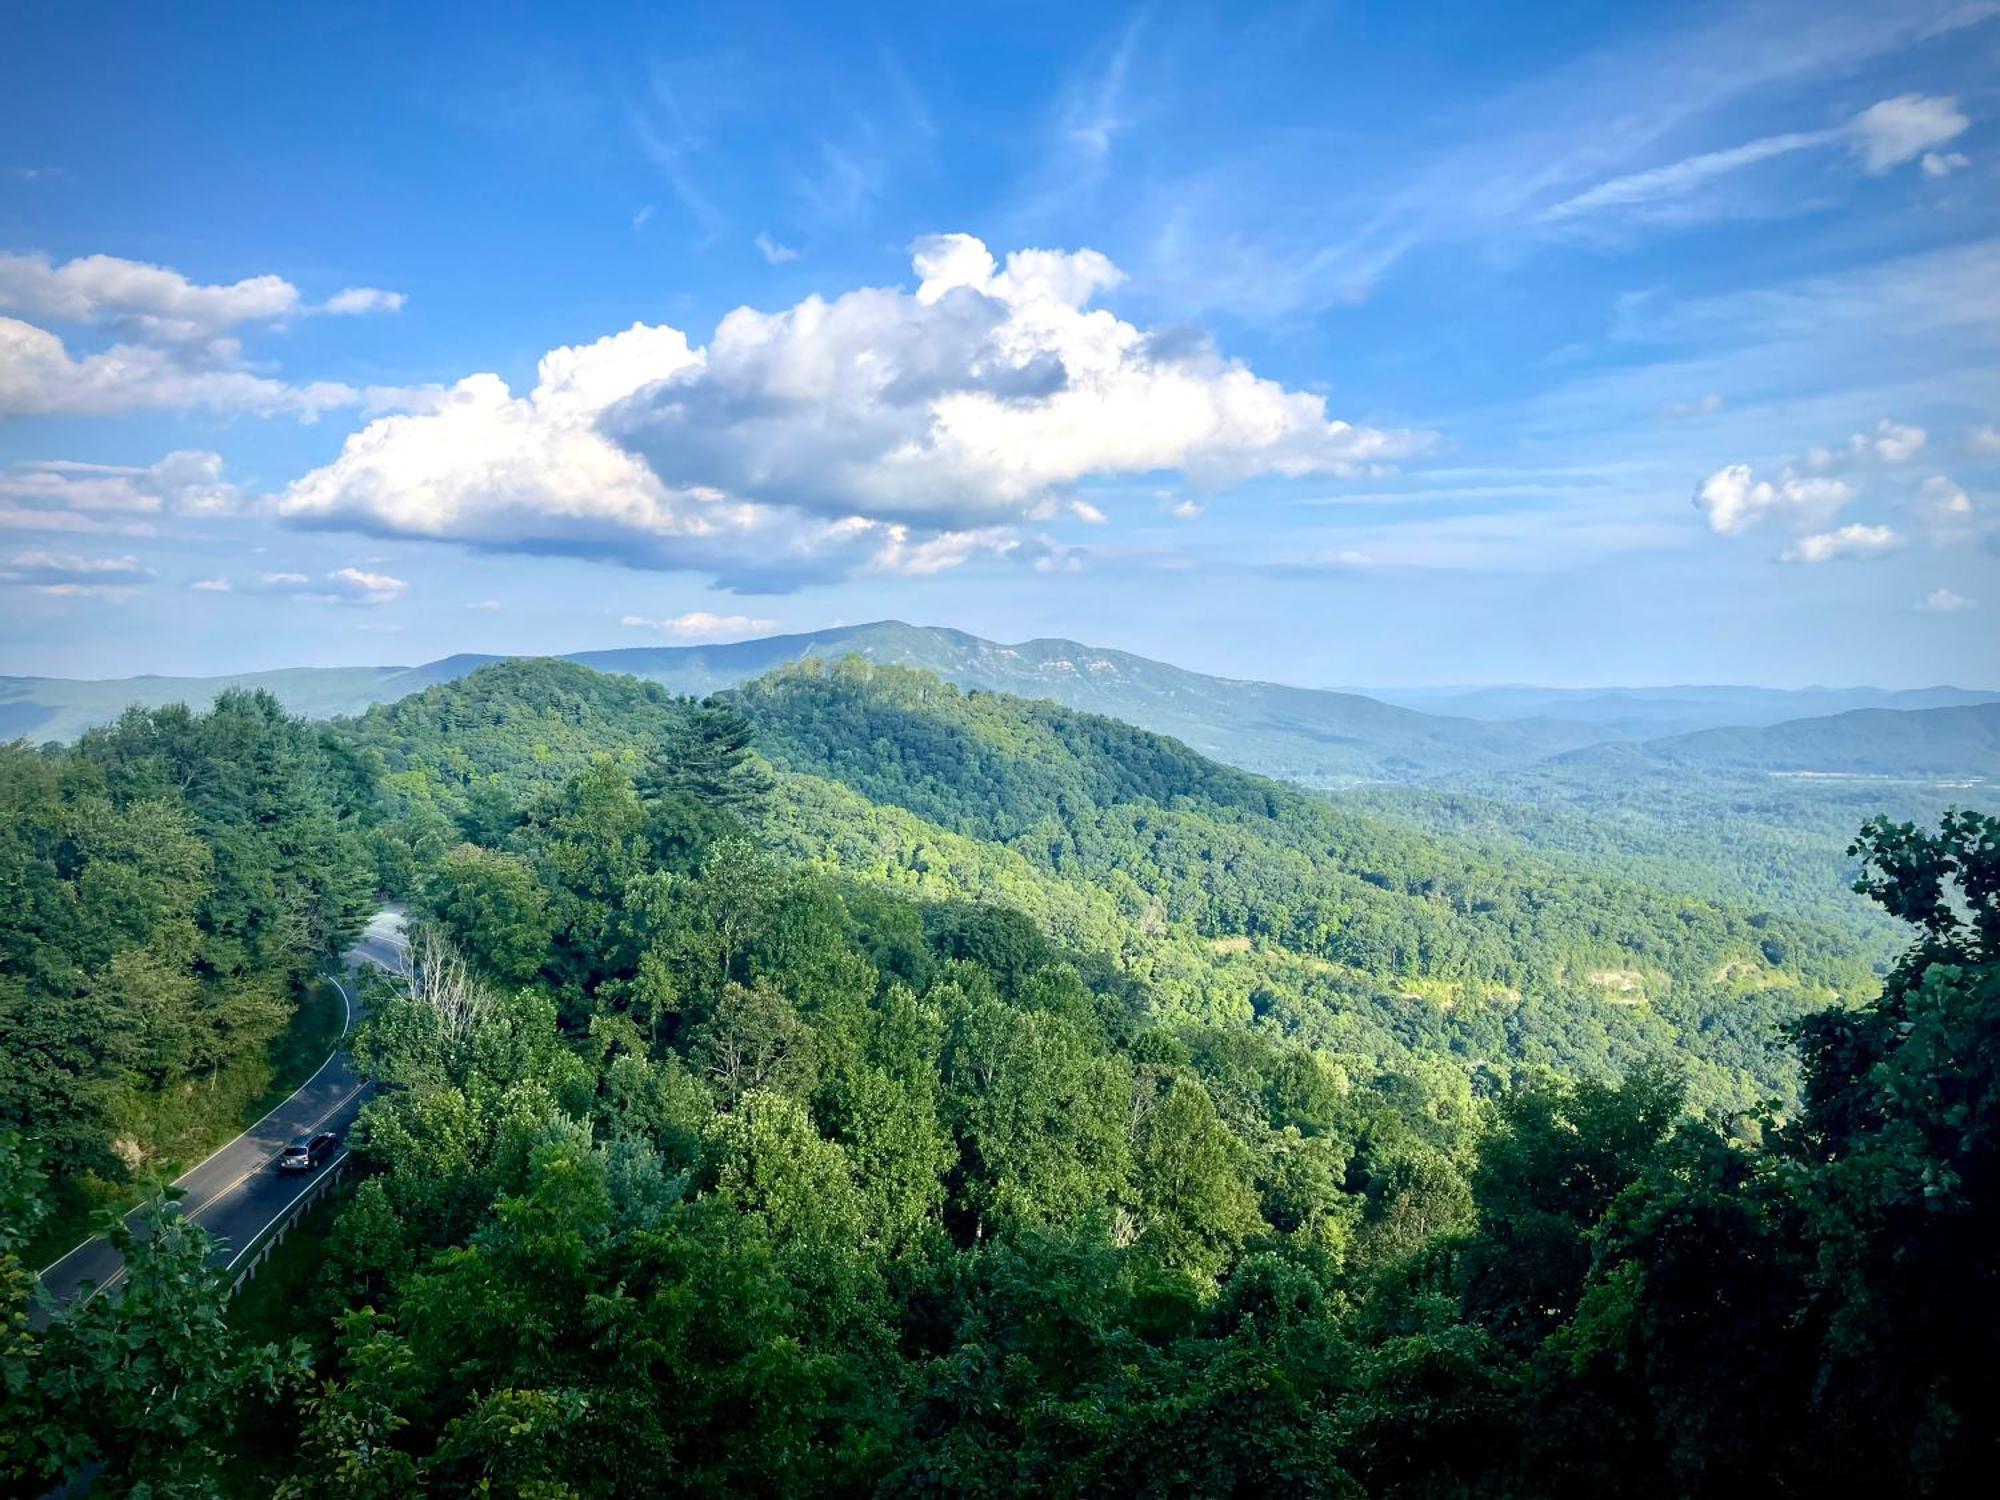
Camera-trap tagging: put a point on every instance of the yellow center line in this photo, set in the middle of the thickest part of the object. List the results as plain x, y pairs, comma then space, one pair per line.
119, 1275
248, 1172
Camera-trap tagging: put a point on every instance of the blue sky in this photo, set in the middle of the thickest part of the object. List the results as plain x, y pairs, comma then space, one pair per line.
1320, 343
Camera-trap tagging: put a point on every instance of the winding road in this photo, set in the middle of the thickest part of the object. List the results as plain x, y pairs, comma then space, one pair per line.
237, 1193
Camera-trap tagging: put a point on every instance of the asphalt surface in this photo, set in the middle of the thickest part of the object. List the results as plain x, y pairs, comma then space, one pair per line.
238, 1193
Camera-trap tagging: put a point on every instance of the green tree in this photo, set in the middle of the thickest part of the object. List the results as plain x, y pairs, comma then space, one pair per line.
1042, 1119
347, 1450
149, 1381
495, 910
1192, 1178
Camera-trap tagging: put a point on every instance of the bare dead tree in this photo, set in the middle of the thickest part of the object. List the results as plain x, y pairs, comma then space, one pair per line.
435, 974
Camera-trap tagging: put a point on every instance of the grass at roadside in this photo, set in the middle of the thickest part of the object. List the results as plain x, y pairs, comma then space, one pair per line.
276, 1307
204, 1118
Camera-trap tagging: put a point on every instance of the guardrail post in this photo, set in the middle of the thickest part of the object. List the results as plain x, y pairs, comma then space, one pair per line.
324, 1185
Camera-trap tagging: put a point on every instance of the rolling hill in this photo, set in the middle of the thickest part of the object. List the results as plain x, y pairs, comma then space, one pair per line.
1958, 743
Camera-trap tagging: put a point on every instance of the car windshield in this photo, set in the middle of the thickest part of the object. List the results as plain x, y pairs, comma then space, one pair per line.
297, 1148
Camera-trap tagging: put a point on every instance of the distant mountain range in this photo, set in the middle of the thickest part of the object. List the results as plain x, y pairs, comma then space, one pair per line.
1649, 713
1924, 742
1313, 736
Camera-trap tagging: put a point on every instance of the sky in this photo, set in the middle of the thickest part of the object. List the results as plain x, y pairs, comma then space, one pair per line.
1573, 344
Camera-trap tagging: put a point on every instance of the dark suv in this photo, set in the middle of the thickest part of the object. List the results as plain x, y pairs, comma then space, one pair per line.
307, 1152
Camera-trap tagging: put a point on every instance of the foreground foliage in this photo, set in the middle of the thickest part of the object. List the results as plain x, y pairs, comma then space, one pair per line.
701, 1165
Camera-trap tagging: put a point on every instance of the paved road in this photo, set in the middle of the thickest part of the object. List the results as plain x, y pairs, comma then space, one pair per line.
237, 1193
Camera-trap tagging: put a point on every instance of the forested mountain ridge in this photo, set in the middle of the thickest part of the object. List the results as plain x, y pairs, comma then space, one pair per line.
1240, 897
1312, 736
1703, 817
1304, 734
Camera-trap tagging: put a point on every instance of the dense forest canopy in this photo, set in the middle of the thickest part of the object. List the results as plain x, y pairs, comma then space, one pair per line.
168, 884
853, 1085
1235, 899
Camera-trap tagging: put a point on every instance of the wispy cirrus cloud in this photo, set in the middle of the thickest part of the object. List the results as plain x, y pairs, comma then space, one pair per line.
1262, 227
1883, 136
1680, 179
701, 625
68, 575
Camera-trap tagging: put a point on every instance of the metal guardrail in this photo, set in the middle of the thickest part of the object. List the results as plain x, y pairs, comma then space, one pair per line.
273, 1234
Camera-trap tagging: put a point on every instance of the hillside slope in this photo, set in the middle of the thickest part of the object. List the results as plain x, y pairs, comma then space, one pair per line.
1760, 815
1234, 899
1929, 742
1300, 734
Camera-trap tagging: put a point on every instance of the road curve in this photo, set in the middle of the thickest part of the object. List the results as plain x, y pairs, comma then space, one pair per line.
237, 1193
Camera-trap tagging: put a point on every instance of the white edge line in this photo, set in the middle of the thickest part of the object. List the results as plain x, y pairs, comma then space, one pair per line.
347, 1026
251, 1243
263, 1229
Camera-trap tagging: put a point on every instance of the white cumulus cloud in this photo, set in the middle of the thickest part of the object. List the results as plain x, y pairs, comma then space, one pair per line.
1897, 130
1855, 541
176, 343
700, 625
774, 253
883, 429
1894, 442
1945, 499
39, 377
1734, 499
363, 587
152, 303
66, 575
